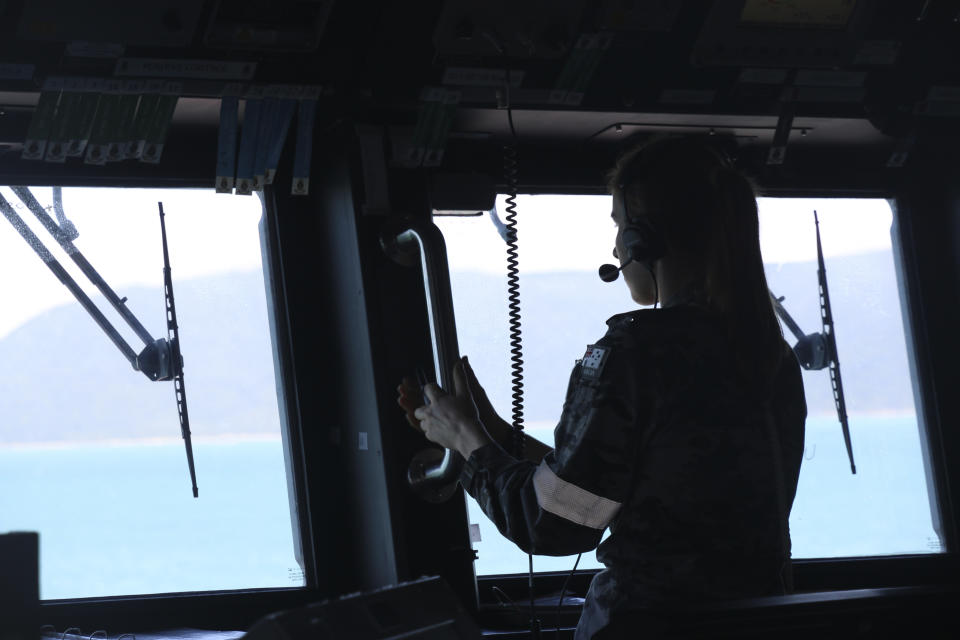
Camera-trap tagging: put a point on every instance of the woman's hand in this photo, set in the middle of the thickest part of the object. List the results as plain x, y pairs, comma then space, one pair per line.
448, 420
497, 427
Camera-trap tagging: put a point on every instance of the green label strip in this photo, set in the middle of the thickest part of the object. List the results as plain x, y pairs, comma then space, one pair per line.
39, 129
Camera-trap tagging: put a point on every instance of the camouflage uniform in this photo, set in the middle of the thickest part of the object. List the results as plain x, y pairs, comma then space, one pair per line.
659, 441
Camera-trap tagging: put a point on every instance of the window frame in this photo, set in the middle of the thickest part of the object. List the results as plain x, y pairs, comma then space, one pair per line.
826, 574
239, 609
228, 608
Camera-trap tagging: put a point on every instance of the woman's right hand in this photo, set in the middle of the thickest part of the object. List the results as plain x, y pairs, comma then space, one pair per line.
496, 426
410, 398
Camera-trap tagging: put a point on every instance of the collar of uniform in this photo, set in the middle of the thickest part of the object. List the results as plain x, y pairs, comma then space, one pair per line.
647, 315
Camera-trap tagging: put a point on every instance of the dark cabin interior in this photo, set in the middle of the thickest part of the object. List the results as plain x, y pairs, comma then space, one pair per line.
408, 108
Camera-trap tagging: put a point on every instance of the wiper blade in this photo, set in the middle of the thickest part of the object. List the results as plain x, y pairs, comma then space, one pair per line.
817, 351
833, 357
173, 338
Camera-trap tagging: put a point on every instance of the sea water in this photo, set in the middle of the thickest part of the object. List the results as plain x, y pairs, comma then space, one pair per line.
120, 519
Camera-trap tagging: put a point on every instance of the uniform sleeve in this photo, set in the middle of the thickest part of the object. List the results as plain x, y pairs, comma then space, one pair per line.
563, 505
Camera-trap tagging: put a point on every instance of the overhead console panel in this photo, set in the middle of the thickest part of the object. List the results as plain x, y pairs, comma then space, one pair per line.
541, 29
793, 33
160, 23
248, 25
829, 14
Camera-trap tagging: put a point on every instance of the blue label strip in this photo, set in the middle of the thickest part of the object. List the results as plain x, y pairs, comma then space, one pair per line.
304, 150
248, 146
227, 144
268, 117
278, 137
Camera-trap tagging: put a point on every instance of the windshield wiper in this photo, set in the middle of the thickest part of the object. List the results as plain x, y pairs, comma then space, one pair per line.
817, 351
160, 359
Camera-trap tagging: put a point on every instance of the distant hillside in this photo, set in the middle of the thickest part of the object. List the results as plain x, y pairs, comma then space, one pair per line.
564, 312
62, 379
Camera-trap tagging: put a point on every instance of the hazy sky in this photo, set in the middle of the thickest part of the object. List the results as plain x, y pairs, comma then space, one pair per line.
208, 233
787, 232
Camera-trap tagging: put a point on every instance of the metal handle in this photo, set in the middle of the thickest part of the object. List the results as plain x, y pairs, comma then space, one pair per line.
431, 479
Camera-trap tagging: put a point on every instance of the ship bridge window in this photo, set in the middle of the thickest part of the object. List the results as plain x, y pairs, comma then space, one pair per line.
886, 508
91, 453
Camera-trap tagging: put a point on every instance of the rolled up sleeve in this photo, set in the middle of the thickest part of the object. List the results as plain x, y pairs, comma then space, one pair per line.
563, 505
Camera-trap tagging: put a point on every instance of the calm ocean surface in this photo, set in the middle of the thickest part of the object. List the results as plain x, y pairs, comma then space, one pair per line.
121, 519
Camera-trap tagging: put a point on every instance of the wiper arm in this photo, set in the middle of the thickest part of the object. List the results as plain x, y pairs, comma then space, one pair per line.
64, 240
14, 218
160, 359
811, 348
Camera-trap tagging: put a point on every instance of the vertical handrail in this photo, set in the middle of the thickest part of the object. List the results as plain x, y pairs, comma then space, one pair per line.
427, 240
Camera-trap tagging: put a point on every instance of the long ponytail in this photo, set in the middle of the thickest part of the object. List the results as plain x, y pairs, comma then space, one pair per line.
735, 280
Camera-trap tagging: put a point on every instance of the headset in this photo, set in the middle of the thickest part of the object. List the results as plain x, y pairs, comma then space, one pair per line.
642, 242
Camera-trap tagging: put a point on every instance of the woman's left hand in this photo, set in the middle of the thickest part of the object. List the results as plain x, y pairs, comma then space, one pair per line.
451, 420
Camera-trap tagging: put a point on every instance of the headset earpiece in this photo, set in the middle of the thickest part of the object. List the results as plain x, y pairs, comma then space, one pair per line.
642, 243
640, 239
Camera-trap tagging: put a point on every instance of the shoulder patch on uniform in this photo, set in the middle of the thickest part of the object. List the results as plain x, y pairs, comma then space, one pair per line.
594, 360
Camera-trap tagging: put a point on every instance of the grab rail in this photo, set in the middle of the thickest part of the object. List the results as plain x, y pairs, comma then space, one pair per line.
434, 480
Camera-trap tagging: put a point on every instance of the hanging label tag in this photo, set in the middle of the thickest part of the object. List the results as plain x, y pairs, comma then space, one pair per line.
120, 134
123, 125
431, 99
227, 144
159, 123
64, 122
778, 150
143, 119
437, 141
248, 142
304, 149
146, 111
578, 70
268, 116
281, 126
103, 123
35, 146
89, 103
